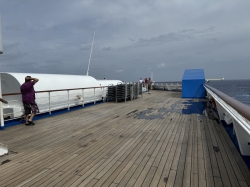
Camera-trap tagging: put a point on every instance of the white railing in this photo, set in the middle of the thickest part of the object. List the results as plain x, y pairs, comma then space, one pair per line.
233, 111
168, 86
50, 100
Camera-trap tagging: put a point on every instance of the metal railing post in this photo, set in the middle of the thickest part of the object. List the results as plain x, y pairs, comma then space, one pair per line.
1, 105
68, 99
94, 95
126, 92
103, 94
50, 100
49, 103
82, 97
141, 90
116, 90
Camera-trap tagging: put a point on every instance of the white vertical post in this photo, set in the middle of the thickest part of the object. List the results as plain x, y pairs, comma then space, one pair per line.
94, 95
49, 104
126, 92
141, 89
1, 105
68, 99
83, 97
103, 93
1, 43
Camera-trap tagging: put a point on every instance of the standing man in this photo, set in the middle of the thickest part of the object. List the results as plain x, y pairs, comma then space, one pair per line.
149, 84
146, 83
140, 80
28, 97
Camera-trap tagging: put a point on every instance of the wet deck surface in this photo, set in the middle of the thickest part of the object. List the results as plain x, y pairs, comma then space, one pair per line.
157, 140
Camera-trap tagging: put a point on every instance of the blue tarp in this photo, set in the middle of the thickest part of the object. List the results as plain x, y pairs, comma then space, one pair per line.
192, 84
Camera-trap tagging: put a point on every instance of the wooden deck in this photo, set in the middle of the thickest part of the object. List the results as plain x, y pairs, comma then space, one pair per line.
123, 144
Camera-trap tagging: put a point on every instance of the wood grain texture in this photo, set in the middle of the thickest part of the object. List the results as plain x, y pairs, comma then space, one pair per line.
143, 142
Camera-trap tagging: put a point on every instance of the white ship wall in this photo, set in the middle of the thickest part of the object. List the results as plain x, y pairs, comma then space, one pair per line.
11, 83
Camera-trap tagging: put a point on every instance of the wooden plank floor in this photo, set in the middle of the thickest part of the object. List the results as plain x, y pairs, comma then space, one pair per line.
145, 142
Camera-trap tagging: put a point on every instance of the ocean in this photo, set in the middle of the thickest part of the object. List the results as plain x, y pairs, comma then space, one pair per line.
237, 89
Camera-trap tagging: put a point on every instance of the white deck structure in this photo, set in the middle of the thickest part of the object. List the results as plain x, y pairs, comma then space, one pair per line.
56, 91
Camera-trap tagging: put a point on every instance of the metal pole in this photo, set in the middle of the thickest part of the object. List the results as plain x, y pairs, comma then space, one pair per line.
104, 94
125, 93
94, 95
141, 90
116, 89
131, 92
82, 98
68, 99
1, 105
49, 104
91, 53
1, 43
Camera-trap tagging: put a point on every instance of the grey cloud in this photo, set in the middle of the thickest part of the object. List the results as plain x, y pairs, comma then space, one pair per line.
133, 36
213, 39
162, 65
11, 46
85, 48
21, 66
12, 56
119, 71
107, 48
15, 27
132, 40
170, 52
53, 62
183, 35
186, 30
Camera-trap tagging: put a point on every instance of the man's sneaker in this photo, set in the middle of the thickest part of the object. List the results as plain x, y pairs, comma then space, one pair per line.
31, 123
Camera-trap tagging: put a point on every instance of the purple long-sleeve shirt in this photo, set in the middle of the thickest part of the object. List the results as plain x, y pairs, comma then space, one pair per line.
28, 92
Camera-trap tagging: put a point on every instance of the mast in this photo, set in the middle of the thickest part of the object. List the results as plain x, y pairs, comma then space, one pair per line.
1, 44
91, 53
1, 105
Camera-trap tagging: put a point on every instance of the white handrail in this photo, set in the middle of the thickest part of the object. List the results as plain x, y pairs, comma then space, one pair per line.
53, 102
241, 125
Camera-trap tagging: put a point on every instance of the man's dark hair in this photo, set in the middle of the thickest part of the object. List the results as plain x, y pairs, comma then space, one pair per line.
26, 79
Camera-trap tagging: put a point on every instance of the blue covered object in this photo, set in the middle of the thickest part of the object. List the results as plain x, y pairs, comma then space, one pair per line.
192, 84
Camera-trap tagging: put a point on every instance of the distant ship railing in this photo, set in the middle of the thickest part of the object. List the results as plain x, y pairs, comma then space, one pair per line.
235, 112
51, 100
171, 86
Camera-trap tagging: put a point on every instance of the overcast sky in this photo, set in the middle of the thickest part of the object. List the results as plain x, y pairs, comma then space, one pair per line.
133, 38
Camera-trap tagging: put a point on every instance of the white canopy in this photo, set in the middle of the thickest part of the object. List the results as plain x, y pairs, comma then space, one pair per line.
11, 83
